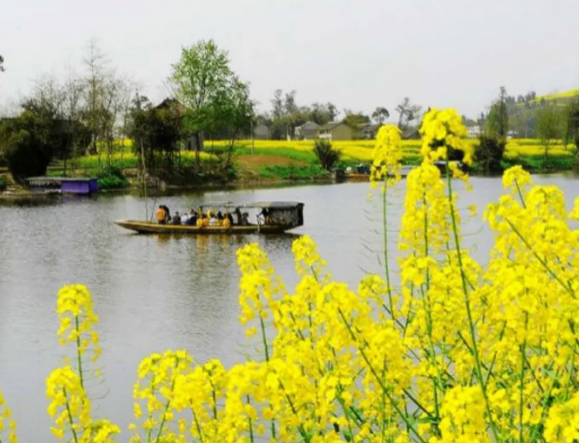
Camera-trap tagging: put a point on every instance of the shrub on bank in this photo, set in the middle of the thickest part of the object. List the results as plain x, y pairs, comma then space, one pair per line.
326, 154
292, 172
2, 184
111, 179
452, 351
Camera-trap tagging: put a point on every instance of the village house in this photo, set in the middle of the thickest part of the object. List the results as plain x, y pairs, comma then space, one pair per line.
336, 131
368, 131
261, 132
307, 131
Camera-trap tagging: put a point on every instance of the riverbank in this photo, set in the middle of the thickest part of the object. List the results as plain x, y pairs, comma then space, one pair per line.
265, 163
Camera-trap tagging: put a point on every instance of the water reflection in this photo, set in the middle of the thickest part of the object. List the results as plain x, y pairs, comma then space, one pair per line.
158, 292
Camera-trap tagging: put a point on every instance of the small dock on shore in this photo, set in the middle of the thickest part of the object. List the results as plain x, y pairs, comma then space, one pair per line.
63, 185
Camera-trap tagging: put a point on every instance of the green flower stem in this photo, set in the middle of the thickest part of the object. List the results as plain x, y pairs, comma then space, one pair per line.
467, 303
542, 261
520, 194
168, 404
251, 438
70, 420
385, 239
295, 412
390, 398
522, 383
150, 432
78, 353
197, 425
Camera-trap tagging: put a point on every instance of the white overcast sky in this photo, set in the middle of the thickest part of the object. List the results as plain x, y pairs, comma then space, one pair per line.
358, 54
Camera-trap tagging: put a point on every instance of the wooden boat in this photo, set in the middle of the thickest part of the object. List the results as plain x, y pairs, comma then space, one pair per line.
279, 217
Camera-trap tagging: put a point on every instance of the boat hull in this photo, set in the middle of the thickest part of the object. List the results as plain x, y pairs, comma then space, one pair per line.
143, 227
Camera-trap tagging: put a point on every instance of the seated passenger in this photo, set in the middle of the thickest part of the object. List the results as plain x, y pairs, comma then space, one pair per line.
226, 223
185, 219
238, 217
213, 221
245, 219
161, 215
167, 212
176, 219
192, 218
264, 216
230, 218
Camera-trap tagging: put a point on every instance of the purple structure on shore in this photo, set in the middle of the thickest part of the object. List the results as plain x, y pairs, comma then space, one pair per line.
63, 185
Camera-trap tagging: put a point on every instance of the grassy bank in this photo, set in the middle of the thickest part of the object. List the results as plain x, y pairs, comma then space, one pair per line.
280, 160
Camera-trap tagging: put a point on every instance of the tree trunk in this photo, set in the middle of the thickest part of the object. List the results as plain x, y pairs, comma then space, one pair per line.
198, 149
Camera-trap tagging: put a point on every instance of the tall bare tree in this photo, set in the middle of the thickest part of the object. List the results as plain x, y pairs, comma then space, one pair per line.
73, 106
96, 66
407, 113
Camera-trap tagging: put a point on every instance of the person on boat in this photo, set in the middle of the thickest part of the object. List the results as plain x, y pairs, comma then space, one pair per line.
213, 220
185, 218
229, 217
226, 222
192, 221
264, 216
245, 219
167, 212
176, 219
161, 215
238, 217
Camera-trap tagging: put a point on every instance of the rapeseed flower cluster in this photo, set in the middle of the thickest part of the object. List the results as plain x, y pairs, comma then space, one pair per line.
450, 352
7, 424
443, 130
66, 388
387, 155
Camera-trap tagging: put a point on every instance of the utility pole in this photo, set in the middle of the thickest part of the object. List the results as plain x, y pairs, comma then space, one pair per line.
252, 136
142, 148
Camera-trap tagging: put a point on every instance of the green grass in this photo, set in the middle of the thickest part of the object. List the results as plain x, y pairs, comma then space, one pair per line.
107, 182
292, 172
293, 154
536, 163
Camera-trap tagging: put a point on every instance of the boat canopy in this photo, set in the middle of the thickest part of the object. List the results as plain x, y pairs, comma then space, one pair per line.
286, 214
258, 205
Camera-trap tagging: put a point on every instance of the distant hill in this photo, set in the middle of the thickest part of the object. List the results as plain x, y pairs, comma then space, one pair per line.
560, 95
524, 110
556, 98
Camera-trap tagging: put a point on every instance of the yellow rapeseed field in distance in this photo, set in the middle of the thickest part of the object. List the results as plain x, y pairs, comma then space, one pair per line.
361, 150
564, 94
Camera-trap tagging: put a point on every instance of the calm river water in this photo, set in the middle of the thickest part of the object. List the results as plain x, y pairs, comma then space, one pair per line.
153, 293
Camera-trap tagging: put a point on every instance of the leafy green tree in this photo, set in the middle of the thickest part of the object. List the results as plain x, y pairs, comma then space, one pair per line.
156, 133
380, 114
572, 127
549, 128
354, 120
498, 118
234, 116
321, 114
326, 154
489, 153
205, 84
30, 141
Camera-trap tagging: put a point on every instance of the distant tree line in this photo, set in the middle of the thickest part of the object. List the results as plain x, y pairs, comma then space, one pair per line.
550, 121
91, 112
286, 115
80, 114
